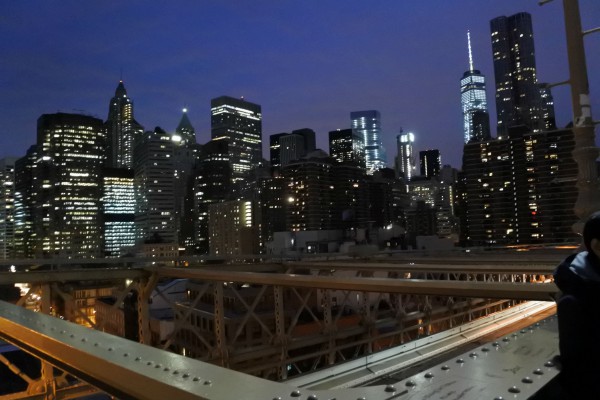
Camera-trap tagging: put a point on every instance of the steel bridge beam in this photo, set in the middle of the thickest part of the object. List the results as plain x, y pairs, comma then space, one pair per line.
488, 290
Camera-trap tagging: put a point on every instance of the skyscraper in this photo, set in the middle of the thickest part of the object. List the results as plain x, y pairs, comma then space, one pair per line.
240, 122
121, 130
7, 207
68, 186
367, 124
346, 146
25, 205
186, 130
430, 162
473, 100
118, 210
405, 161
517, 93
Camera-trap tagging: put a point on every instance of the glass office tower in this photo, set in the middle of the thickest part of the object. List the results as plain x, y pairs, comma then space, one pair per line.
367, 124
473, 100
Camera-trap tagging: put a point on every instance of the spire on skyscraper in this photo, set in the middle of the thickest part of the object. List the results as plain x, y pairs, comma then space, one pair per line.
120, 92
185, 128
470, 52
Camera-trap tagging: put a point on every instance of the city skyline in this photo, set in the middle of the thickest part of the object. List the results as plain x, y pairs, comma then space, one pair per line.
307, 66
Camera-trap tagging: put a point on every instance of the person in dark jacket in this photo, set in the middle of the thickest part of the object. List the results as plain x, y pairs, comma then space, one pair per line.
578, 308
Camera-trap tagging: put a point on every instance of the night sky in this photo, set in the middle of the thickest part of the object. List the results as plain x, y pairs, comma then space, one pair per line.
307, 63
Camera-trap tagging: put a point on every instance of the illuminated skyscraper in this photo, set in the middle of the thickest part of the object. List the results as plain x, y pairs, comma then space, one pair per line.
7, 207
346, 146
118, 206
405, 161
121, 130
25, 205
367, 124
517, 93
240, 122
68, 186
473, 100
186, 130
430, 162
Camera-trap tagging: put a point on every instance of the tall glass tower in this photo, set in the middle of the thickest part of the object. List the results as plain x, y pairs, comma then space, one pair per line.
517, 92
240, 122
121, 130
473, 100
405, 162
367, 124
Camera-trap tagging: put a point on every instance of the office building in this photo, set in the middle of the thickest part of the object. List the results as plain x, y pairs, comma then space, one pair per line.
212, 184
155, 183
118, 211
240, 123
517, 93
519, 190
232, 228
68, 186
185, 130
347, 147
275, 149
405, 161
309, 193
121, 130
24, 204
367, 124
473, 100
7, 207
296, 145
431, 162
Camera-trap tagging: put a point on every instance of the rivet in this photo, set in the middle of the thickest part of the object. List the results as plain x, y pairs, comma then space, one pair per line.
295, 393
96, 344
485, 349
549, 364
411, 383
495, 344
538, 372
506, 339
84, 340
390, 388
527, 380
63, 332
523, 331
460, 361
277, 398
149, 363
125, 355
175, 372
429, 375
166, 369
445, 367
196, 379
312, 397
473, 355
138, 358
110, 349
207, 383
499, 398
71, 335
186, 375
514, 389
157, 366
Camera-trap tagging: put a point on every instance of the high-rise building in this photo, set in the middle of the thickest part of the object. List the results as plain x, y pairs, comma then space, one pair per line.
25, 205
346, 146
121, 130
309, 193
212, 183
186, 130
240, 122
517, 92
232, 228
7, 207
430, 162
68, 186
367, 124
519, 190
275, 149
118, 211
547, 107
405, 161
473, 100
155, 182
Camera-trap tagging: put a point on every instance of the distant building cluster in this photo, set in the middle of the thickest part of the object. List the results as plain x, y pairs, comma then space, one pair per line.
90, 188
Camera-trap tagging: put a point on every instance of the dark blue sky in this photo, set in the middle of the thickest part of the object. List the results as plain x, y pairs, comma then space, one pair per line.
308, 63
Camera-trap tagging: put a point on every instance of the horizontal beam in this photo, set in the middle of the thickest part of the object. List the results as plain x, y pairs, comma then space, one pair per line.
483, 267
129, 370
495, 290
67, 275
